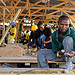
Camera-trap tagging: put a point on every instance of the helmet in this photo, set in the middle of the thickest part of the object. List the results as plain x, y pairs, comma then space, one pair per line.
34, 27
13, 23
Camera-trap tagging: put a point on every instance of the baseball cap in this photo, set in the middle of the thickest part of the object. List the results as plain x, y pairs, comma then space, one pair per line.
13, 23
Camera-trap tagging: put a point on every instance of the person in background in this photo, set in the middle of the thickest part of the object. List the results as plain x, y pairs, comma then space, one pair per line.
12, 33
6, 37
43, 36
22, 33
26, 37
63, 40
32, 41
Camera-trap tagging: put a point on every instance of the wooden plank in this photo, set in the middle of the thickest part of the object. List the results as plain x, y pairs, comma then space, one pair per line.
3, 26
36, 74
31, 71
27, 58
24, 61
16, 15
11, 52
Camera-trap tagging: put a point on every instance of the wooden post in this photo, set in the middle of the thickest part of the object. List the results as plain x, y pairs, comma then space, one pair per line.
10, 26
16, 33
45, 10
43, 14
3, 31
48, 3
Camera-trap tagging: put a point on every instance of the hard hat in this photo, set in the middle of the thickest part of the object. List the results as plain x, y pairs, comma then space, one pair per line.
13, 23
34, 27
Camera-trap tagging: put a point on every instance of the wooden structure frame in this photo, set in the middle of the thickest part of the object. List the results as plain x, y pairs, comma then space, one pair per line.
37, 11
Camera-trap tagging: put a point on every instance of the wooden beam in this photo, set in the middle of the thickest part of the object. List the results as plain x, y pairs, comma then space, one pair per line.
3, 26
23, 2
50, 8
58, 5
35, 11
3, 2
10, 26
4, 5
54, 12
13, 8
72, 2
70, 12
34, 18
70, 18
23, 18
27, 4
36, 3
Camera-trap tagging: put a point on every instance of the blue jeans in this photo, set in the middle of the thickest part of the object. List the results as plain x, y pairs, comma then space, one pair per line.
31, 43
40, 43
44, 55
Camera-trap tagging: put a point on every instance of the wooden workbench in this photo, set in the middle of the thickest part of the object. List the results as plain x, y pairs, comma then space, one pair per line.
27, 58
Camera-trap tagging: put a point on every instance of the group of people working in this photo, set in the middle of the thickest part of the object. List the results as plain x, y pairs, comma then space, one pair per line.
48, 44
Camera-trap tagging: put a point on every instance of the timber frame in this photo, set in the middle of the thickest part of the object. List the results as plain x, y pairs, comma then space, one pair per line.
37, 11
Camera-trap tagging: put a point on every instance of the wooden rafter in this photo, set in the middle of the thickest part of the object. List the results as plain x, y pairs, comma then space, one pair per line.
70, 18
36, 7
72, 2
35, 11
4, 5
13, 8
54, 12
36, 3
22, 19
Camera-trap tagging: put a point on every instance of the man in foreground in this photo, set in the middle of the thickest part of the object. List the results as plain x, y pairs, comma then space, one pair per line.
63, 38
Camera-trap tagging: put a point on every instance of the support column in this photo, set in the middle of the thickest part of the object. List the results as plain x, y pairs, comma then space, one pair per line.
3, 31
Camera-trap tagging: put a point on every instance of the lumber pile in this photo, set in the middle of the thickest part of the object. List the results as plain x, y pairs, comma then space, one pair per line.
36, 71
11, 50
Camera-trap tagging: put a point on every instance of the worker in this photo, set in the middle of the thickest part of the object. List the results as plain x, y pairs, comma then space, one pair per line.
43, 36
12, 33
32, 41
6, 37
26, 37
63, 38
